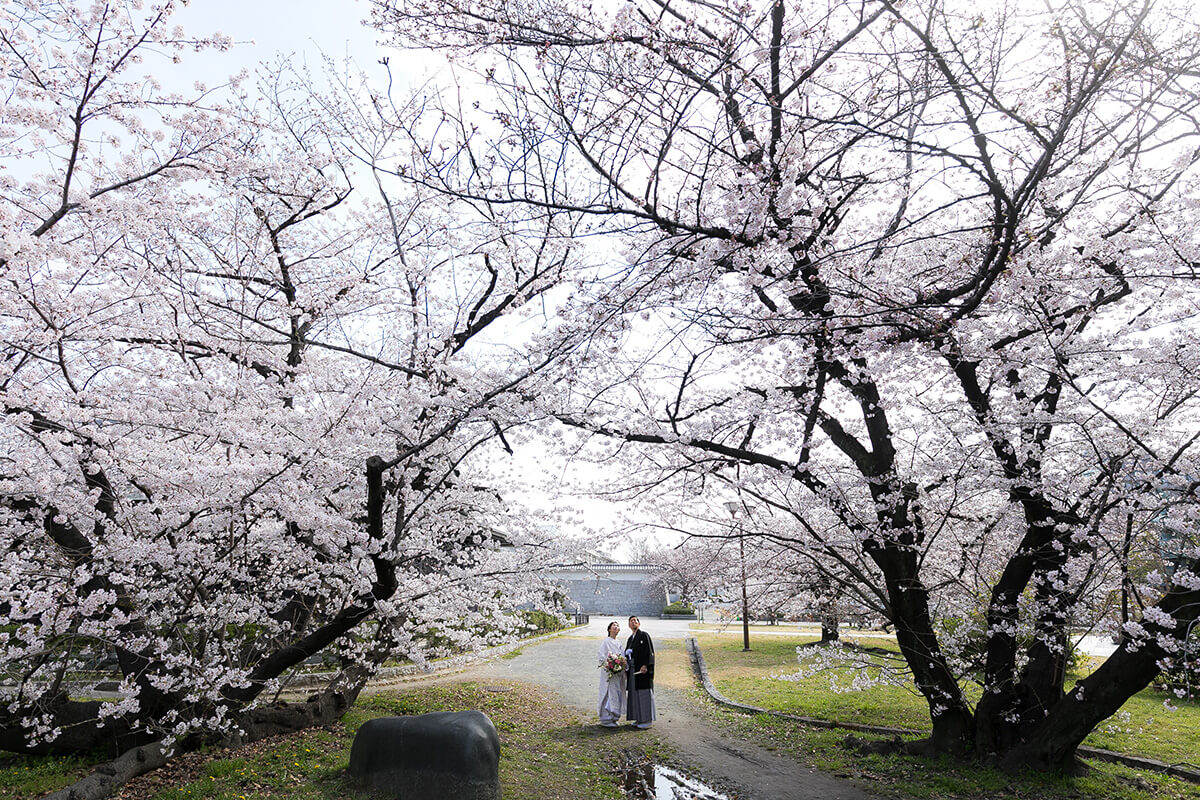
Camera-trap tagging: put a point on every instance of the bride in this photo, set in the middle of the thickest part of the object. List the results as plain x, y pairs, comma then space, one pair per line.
612, 684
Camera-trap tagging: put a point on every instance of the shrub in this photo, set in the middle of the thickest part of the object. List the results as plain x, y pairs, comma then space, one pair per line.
539, 622
679, 607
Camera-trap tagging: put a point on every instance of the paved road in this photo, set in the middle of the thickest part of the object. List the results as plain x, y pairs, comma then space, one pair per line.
564, 664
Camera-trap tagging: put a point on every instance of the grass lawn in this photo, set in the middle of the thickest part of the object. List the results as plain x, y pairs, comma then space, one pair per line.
902, 776
546, 753
746, 677
1143, 727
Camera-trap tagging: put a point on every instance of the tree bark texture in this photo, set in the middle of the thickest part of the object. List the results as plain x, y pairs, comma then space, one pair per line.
1052, 743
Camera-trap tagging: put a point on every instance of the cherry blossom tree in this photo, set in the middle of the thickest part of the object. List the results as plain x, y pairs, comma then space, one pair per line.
922, 272
768, 547
690, 569
248, 375
782, 583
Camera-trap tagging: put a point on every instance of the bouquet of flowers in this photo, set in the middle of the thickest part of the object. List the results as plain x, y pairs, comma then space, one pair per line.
615, 663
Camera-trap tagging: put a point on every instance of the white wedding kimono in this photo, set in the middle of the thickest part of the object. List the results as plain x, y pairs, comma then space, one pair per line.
612, 687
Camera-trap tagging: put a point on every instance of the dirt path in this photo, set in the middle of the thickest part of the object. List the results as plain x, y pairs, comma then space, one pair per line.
564, 665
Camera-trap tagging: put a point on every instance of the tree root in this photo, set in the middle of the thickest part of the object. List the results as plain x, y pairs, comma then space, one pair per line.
109, 777
927, 747
276, 718
880, 746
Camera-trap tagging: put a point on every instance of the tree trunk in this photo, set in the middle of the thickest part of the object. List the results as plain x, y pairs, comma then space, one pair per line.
1052, 743
953, 723
1011, 704
829, 627
1044, 674
108, 778
320, 709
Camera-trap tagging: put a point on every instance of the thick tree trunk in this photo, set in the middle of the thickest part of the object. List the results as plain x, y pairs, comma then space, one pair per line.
81, 732
953, 723
1013, 703
320, 709
108, 778
1052, 744
1044, 675
829, 628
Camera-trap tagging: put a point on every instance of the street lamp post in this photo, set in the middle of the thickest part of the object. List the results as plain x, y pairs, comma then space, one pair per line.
734, 507
745, 601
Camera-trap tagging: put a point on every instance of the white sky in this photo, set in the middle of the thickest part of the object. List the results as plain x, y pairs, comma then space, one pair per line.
281, 25
301, 28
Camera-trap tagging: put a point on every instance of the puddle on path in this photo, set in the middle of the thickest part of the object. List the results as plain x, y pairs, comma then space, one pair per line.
644, 780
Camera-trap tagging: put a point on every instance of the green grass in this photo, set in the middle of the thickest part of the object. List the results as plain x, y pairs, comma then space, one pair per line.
746, 677
905, 776
1143, 727
547, 753
34, 776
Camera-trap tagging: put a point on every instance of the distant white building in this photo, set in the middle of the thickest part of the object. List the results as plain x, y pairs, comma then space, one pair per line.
617, 590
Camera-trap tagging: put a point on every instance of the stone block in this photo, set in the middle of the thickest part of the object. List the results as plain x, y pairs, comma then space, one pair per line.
453, 755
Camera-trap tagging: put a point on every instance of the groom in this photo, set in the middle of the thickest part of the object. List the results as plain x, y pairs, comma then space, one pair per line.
640, 652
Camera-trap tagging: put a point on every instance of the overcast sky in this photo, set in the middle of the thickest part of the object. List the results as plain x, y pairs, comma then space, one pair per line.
302, 29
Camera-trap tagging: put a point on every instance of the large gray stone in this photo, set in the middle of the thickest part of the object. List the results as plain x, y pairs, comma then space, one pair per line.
447, 754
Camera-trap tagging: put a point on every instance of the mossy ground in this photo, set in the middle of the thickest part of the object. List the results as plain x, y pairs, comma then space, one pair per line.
547, 753
1144, 727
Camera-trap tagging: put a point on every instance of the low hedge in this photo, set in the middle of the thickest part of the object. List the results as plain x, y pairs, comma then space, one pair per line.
679, 607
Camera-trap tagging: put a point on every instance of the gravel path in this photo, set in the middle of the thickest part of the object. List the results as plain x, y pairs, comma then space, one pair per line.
564, 665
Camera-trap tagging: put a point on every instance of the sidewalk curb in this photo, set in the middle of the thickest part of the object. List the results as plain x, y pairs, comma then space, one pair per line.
701, 670
1137, 762
415, 672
